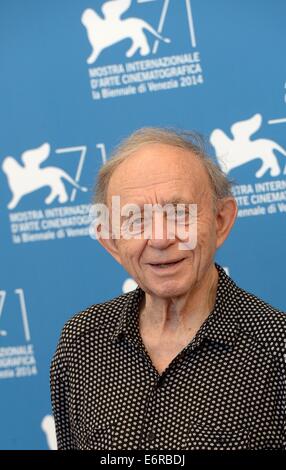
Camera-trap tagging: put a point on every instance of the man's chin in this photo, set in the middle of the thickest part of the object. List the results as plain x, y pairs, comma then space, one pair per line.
168, 289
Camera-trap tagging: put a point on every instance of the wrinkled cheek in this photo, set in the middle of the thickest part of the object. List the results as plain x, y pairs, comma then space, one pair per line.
205, 242
130, 253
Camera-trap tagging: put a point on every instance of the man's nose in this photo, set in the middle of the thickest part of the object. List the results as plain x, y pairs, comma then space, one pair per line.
161, 235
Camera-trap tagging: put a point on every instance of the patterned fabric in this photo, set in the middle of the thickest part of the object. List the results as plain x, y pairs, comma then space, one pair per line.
224, 390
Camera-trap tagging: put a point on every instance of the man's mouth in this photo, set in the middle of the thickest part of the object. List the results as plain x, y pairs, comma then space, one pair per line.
166, 265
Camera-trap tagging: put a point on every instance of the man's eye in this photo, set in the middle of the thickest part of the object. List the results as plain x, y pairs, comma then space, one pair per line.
139, 220
182, 217
181, 213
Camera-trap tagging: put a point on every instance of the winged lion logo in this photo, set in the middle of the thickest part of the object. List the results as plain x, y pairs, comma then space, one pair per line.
241, 149
29, 177
111, 29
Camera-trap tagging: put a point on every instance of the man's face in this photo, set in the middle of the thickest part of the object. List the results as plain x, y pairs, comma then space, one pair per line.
158, 174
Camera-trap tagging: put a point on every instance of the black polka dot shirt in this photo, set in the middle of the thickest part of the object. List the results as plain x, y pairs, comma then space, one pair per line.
224, 391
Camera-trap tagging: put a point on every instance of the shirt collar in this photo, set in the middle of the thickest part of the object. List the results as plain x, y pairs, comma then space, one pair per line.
129, 317
221, 325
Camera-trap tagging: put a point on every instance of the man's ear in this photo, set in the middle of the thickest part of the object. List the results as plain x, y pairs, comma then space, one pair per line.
225, 218
110, 244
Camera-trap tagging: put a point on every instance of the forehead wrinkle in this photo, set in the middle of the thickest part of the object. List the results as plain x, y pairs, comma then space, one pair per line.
133, 193
150, 185
190, 176
161, 158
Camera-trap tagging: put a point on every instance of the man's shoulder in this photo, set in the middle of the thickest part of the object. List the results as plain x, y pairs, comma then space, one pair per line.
104, 314
261, 320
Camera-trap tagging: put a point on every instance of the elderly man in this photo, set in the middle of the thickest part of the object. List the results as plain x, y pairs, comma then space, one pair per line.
187, 360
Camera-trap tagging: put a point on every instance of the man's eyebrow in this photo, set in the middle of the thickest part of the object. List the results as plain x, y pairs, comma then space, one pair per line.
176, 200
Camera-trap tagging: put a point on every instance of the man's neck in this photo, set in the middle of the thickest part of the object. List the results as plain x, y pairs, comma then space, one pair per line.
179, 317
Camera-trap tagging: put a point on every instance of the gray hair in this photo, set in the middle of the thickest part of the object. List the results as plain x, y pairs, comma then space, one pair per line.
188, 140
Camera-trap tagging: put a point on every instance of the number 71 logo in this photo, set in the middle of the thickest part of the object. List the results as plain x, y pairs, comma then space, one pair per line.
23, 312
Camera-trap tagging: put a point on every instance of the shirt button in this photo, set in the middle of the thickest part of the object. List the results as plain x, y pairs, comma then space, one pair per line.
151, 436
